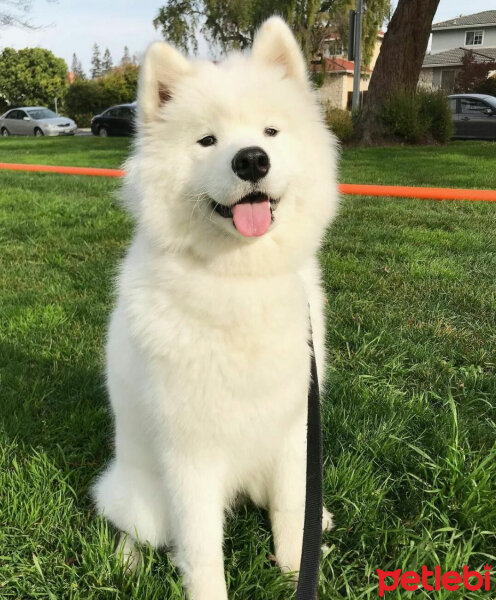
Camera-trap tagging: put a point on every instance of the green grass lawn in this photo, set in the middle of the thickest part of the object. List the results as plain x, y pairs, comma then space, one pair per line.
409, 416
80, 151
451, 165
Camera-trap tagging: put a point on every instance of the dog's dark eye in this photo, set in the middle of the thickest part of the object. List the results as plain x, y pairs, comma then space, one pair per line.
208, 140
270, 131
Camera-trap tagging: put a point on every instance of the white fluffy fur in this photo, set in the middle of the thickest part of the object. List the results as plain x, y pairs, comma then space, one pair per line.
207, 356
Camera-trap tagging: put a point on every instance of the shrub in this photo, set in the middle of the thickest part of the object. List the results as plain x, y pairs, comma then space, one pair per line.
417, 117
488, 86
86, 98
317, 78
435, 108
402, 117
340, 123
4, 105
82, 119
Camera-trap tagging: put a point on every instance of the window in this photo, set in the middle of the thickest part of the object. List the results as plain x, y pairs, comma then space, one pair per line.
453, 105
16, 114
474, 38
471, 106
448, 80
42, 113
492, 103
126, 113
363, 96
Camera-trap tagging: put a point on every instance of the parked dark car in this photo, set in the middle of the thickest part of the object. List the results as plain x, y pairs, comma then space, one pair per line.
474, 116
116, 120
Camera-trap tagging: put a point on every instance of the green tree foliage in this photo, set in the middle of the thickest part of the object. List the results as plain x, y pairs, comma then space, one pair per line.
107, 63
232, 23
77, 67
376, 12
32, 76
87, 98
126, 57
123, 82
96, 62
334, 17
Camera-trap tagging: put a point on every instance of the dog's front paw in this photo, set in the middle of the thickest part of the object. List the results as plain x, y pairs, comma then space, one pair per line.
128, 553
327, 520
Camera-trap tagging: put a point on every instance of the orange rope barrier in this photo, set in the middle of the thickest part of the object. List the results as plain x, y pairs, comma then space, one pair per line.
64, 170
423, 193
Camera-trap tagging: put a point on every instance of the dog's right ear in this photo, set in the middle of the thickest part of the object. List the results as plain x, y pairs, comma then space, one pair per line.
162, 67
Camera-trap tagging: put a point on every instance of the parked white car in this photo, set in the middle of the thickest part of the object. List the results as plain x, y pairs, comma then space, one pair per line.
35, 120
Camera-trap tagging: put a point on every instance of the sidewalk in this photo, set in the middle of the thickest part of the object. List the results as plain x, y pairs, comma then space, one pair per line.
83, 131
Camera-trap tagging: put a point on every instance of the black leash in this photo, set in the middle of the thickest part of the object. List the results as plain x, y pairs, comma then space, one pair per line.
312, 533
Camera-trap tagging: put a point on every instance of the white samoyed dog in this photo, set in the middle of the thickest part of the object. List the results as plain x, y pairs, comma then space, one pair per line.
232, 183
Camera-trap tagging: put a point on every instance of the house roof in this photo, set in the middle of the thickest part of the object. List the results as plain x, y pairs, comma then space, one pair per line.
487, 17
454, 57
336, 64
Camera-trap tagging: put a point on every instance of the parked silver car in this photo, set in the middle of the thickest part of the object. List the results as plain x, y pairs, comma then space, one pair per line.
35, 120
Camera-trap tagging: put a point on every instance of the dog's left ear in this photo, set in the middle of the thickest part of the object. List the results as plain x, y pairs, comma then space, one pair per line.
275, 44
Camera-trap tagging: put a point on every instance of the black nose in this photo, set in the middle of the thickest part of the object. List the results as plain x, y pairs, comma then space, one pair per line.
251, 164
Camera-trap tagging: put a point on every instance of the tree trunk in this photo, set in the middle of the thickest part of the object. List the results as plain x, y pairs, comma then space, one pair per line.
400, 60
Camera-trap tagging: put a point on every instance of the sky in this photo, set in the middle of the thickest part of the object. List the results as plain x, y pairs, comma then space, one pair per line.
67, 26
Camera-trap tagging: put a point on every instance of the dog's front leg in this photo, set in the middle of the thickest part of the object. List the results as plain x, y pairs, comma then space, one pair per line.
197, 518
287, 498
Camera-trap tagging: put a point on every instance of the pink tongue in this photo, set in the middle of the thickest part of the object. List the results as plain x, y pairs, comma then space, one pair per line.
252, 218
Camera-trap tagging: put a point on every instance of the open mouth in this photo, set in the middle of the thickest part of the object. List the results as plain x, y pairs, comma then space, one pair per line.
252, 215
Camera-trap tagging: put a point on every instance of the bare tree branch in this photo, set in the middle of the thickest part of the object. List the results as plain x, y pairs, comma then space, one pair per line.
13, 13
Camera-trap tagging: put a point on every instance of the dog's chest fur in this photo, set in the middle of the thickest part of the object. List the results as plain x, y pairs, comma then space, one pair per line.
228, 357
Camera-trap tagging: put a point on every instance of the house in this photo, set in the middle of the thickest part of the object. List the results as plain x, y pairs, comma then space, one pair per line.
451, 40
337, 85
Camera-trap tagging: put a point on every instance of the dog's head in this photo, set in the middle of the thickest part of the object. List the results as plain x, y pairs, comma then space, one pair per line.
232, 159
